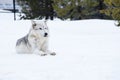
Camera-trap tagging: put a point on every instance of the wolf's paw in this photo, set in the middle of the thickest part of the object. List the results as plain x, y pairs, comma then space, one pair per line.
53, 53
43, 54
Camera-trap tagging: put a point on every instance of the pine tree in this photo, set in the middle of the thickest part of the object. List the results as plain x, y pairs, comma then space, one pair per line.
63, 7
101, 6
37, 9
113, 9
78, 9
90, 8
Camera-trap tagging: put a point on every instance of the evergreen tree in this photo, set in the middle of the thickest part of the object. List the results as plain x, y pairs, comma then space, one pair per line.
63, 7
37, 9
101, 6
113, 9
78, 9
90, 9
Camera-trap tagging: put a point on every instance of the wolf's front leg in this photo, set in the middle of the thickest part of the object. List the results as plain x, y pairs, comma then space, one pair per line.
42, 53
46, 52
44, 48
51, 53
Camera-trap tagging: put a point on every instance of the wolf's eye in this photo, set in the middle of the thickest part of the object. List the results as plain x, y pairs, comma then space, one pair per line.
40, 28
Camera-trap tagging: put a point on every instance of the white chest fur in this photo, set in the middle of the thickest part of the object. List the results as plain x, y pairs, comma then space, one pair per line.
37, 41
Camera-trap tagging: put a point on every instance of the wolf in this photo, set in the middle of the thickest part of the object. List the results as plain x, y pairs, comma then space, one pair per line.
36, 40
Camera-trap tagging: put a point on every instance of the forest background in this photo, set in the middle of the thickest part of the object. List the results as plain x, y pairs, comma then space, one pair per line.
71, 9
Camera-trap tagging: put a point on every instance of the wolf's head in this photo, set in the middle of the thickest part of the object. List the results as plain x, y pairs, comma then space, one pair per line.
41, 28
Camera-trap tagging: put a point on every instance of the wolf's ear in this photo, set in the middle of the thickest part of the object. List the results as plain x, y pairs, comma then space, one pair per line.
33, 24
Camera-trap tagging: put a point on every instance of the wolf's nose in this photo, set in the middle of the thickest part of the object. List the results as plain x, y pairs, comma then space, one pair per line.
45, 34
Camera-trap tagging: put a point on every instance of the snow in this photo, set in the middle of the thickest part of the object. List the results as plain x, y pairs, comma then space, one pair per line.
86, 50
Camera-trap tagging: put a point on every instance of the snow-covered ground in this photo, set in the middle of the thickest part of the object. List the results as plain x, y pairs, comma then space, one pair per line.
86, 50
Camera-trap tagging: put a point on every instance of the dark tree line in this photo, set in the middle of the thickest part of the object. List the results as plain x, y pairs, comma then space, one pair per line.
37, 9
69, 9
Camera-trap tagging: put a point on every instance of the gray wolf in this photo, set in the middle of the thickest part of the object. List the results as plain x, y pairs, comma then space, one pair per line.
36, 40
